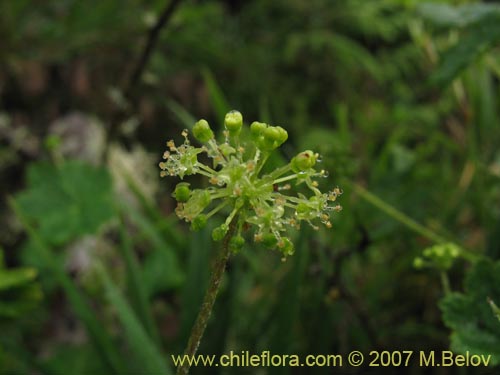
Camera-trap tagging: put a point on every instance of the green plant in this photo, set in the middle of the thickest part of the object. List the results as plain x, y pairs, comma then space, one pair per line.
253, 198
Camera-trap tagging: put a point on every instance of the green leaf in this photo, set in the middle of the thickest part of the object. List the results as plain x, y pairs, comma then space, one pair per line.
66, 202
147, 354
163, 260
81, 359
185, 118
100, 339
19, 300
447, 15
16, 277
217, 97
475, 328
494, 308
479, 38
19, 290
155, 278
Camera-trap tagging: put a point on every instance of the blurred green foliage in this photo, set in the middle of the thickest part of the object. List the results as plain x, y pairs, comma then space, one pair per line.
67, 201
401, 99
475, 328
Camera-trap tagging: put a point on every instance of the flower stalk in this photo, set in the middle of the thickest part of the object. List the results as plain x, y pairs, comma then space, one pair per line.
208, 300
251, 198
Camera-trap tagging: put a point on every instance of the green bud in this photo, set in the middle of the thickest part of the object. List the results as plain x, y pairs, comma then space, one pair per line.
269, 240
236, 243
272, 134
219, 232
283, 135
275, 135
202, 131
182, 192
303, 161
257, 128
199, 222
233, 122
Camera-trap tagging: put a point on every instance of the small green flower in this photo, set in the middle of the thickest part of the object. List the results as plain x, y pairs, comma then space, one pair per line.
441, 256
252, 198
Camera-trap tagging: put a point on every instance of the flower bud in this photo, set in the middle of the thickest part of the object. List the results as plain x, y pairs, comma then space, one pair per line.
257, 128
182, 192
199, 222
202, 131
272, 134
269, 240
219, 232
283, 135
233, 122
303, 161
236, 243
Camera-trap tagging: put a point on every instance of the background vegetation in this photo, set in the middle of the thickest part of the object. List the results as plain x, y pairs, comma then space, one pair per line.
400, 97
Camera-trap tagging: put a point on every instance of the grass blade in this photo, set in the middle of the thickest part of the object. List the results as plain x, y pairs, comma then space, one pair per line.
139, 294
146, 352
217, 97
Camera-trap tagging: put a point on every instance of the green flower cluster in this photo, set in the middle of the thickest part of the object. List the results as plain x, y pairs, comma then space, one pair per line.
441, 256
253, 199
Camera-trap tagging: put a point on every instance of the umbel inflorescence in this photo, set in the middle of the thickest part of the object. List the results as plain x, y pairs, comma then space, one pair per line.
237, 184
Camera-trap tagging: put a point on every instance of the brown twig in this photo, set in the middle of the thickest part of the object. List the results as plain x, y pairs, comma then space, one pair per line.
153, 35
120, 113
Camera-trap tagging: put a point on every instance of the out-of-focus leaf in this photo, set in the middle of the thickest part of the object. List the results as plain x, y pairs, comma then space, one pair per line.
349, 51
155, 278
185, 118
19, 291
447, 15
474, 327
16, 277
147, 354
67, 202
81, 360
100, 339
479, 38
494, 308
163, 251
217, 97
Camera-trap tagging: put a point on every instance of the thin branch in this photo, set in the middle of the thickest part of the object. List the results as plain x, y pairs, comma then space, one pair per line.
153, 35
119, 114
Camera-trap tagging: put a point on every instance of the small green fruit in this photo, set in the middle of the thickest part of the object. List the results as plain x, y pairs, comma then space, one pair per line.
182, 192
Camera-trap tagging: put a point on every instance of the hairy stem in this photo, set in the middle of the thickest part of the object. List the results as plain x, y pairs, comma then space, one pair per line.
208, 301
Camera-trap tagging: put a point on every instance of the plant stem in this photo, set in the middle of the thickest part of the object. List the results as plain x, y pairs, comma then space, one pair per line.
208, 301
409, 222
